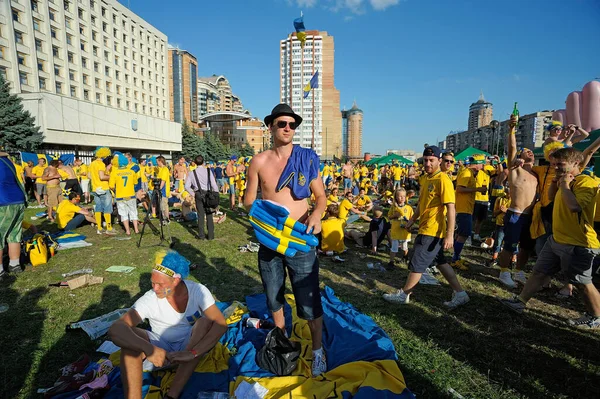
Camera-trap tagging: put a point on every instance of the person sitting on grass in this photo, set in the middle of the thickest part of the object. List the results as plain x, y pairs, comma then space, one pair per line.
333, 197
347, 207
185, 325
69, 215
332, 230
363, 201
378, 230
399, 214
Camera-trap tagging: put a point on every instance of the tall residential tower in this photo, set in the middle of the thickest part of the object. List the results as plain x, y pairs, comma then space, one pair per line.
352, 132
322, 125
480, 113
183, 82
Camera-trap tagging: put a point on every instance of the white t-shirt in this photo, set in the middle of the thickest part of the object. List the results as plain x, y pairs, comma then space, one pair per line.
165, 321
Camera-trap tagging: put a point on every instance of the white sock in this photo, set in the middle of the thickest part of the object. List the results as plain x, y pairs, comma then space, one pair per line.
14, 262
318, 351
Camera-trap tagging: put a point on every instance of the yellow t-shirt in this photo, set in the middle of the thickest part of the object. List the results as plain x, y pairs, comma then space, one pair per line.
364, 171
576, 228
345, 207
483, 180
356, 173
165, 175
501, 201
545, 174
332, 234
375, 174
363, 201
63, 175
332, 198
398, 232
81, 172
20, 171
39, 171
436, 191
397, 172
326, 171
94, 172
597, 214
490, 170
465, 202
193, 167
65, 211
123, 181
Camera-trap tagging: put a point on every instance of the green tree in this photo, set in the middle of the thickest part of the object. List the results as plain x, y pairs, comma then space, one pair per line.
191, 144
247, 150
17, 127
215, 150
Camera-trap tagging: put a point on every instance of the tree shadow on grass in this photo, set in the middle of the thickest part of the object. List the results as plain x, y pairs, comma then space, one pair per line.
520, 352
22, 326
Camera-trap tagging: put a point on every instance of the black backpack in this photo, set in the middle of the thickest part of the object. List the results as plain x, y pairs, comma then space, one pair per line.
210, 198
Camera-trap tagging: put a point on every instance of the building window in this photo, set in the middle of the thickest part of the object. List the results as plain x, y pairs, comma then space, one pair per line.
56, 71
96, 67
55, 51
18, 37
107, 71
36, 25
81, 30
103, 12
42, 82
97, 83
98, 98
108, 86
94, 36
115, 32
70, 39
92, 4
108, 100
86, 79
117, 75
95, 50
86, 95
71, 57
68, 22
67, 5
104, 26
114, 19
73, 91
93, 19
38, 44
40, 65
82, 45
52, 14
3, 73
23, 78
53, 33
15, 15
119, 102
21, 59
34, 5
59, 87
84, 62
80, 13
105, 55
71, 74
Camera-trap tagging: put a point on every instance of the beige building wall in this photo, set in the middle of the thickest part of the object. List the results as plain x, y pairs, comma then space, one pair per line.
331, 134
355, 130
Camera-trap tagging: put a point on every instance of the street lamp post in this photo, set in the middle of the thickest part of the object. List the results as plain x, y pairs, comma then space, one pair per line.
494, 124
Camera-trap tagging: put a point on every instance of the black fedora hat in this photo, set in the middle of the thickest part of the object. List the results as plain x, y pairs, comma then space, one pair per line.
282, 109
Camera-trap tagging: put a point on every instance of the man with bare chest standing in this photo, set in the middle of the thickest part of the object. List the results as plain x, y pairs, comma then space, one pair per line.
266, 171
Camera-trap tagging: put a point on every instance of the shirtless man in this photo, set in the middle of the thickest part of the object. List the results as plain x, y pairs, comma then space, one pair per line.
72, 182
523, 186
231, 172
180, 172
347, 173
265, 170
52, 179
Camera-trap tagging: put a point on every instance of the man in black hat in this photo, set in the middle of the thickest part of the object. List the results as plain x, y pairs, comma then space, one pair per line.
287, 175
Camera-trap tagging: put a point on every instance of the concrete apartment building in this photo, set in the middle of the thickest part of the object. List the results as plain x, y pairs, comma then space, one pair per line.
183, 85
352, 130
214, 94
530, 134
480, 113
322, 125
91, 72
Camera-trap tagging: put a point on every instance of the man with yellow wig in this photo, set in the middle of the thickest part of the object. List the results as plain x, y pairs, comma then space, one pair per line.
186, 324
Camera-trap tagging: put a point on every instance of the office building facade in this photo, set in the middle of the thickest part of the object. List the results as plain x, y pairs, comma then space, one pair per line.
183, 83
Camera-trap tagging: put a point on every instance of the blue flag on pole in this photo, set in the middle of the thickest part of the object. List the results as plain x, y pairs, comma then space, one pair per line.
314, 83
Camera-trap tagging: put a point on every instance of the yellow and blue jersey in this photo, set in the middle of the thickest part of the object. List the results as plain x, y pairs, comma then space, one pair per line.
124, 182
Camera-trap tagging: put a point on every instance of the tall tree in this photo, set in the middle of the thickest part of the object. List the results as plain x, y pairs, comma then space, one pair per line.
17, 127
247, 150
191, 144
215, 149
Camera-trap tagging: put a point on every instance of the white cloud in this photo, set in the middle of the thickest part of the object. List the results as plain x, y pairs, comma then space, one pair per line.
304, 3
381, 5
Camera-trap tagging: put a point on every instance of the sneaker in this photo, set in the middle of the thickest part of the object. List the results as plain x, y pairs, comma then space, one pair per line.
428, 279
99, 232
432, 270
520, 277
492, 263
222, 218
319, 364
585, 321
507, 280
468, 242
460, 265
515, 304
110, 232
15, 269
338, 259
400, 297
458, 299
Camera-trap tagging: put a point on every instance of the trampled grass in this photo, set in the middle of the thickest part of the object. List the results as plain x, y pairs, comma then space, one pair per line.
481, 350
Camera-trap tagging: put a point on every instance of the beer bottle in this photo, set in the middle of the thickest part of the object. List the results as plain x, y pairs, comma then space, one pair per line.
515, 113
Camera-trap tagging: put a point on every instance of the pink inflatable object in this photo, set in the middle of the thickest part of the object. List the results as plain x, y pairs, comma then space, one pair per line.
582, 108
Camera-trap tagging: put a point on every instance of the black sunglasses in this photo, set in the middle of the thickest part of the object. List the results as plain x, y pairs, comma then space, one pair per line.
449, 160
283, 124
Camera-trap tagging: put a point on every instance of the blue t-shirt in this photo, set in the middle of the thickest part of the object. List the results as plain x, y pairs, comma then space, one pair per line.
11, 192
218, 172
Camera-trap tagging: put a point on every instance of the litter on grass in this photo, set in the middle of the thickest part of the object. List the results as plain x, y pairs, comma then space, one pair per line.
84, 281
76, 272
99, 326
120, 269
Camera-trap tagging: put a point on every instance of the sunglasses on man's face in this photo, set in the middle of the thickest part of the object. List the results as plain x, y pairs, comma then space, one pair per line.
283, 124
449, 160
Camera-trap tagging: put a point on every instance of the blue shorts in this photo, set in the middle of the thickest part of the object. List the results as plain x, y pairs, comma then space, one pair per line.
516, 231
347, 183
232, 189
103, 203
464, 222
303, 269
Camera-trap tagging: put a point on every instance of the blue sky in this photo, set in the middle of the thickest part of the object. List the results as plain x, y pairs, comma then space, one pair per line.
413, 66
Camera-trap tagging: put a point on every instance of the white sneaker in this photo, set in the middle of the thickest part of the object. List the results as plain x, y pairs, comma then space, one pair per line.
520, 277
428, 279
319, 364
507, 280
458, 299
400, 297
476, 237
468, 242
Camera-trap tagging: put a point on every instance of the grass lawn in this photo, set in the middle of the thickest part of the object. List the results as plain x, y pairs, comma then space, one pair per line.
481, 350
